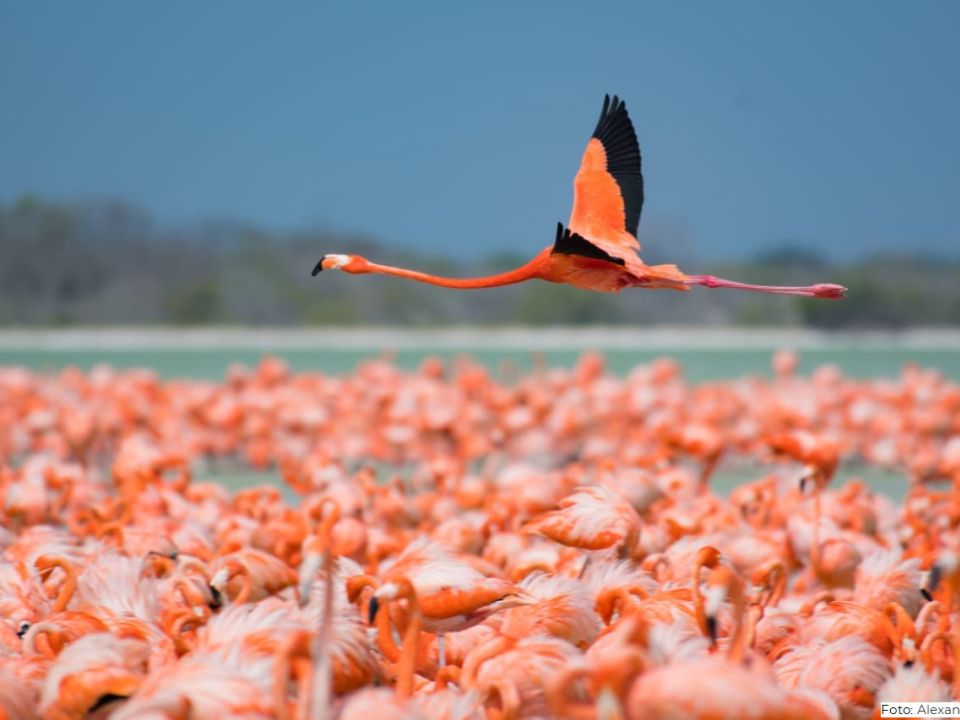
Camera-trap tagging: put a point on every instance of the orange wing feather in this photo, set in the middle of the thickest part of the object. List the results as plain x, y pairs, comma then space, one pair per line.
608, 188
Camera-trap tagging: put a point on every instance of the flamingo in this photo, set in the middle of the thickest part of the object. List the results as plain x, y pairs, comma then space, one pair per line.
598, 249
95, 670
452, 595
249, 574
849, 669
913, 684
592, 518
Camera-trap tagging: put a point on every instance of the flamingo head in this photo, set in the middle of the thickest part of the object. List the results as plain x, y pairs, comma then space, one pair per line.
945, 566
347, 263
385, 592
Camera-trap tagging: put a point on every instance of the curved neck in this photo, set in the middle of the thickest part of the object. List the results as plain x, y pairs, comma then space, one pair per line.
778, 587
46, 563
738, 636
707, 557
246, 587
524, 272
411, 644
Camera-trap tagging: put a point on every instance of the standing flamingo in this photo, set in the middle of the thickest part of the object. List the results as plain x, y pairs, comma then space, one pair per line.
598, 251
451, 595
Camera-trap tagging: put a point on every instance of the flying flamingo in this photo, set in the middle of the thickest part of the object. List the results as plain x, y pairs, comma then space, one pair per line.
598, 250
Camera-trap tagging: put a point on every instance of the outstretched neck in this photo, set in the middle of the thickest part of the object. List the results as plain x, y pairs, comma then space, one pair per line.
524, 272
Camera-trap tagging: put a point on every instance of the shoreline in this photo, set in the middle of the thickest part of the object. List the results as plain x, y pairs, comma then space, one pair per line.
474, 338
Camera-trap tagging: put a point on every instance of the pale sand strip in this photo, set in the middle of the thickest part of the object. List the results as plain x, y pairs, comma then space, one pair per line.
473, 338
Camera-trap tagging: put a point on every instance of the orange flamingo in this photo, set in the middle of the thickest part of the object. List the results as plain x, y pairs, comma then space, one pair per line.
598, 251
592, 518
452, 595
850, 670
90, 673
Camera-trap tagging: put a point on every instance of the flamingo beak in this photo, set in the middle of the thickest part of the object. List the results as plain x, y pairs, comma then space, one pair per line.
372, 612
104, 700
712, 629
715, 597
936, 575
217, 598
217, 585
331, 262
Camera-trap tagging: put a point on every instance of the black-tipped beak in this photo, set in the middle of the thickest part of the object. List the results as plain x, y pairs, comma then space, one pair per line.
23, 630
217, 598
712, 629
172, 555
317, 268
372, 611
936, 575
105, 700
803, 484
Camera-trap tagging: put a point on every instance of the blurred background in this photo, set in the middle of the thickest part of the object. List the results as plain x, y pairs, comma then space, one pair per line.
186, 164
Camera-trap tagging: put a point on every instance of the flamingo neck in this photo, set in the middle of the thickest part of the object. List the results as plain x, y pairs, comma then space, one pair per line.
295, 648
779, 586
739, 636
47, 563
322, 681
385, 641
707, 557
511, 277
411, 645
246, 587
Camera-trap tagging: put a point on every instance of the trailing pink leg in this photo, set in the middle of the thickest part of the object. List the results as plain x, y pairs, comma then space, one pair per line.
821, 290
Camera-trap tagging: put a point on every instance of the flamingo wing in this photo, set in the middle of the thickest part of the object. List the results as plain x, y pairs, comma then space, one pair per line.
608, 188
570, 243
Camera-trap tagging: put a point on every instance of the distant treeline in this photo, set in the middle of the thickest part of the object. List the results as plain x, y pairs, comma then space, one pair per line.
109, 263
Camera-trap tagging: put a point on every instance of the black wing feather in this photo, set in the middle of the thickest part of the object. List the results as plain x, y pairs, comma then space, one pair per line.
568, 243
616, 133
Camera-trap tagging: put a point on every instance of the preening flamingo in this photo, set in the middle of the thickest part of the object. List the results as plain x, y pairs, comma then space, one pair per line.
598, 249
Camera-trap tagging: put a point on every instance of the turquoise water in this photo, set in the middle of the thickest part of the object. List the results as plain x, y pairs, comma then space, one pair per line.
888, 482
699, 365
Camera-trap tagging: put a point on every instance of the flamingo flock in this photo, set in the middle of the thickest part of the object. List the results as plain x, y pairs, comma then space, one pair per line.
451, 544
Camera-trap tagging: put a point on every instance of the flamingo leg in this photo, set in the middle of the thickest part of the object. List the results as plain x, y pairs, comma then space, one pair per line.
442, 649
821, 290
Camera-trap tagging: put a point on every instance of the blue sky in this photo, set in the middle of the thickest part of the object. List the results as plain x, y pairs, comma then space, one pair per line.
459, 126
